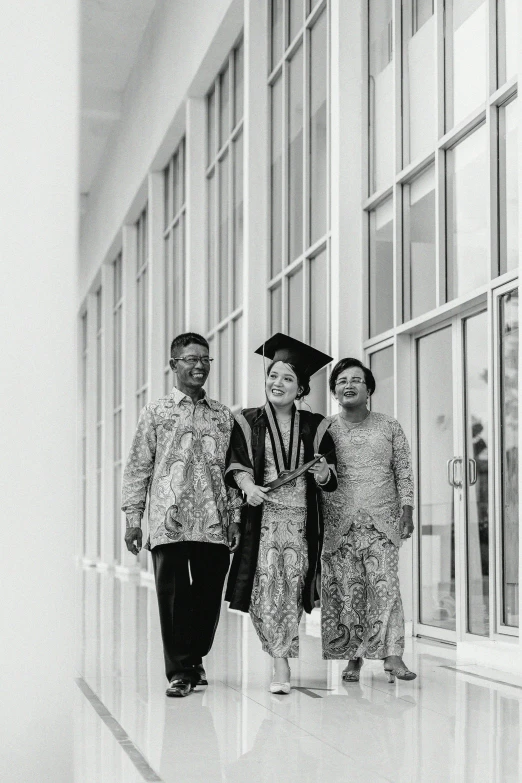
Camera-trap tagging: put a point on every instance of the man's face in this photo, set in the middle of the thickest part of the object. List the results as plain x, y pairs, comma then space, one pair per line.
191, 366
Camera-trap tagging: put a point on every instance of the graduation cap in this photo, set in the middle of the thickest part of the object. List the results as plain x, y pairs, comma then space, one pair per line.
283, 348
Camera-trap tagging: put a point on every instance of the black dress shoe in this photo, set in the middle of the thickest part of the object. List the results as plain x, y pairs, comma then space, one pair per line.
179, 686
201, 674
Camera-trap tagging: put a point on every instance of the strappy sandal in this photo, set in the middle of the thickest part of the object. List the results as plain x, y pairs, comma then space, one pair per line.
352, 675
401, 673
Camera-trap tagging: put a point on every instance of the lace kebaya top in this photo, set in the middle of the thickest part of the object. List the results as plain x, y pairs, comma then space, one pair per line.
375, 478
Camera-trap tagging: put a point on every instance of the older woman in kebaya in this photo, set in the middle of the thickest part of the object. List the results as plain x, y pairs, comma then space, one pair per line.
366, 521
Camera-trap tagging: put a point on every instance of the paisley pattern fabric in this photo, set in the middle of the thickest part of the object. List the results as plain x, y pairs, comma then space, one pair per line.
361, 606
276, 604
177, 458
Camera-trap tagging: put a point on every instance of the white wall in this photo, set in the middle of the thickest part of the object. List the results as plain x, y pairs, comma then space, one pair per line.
174, 60
38, 226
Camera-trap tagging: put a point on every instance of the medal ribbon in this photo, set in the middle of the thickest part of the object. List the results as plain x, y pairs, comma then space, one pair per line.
283, 460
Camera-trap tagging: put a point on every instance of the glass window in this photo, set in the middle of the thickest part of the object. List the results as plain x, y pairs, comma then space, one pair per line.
508, 41
466, 58
174, 258
276, 184
295, 305
508, 186
318, 304
419, 278
381, 94
225, 223
299, 228
318, 129
295, 18
277, 31
211, 125
237, 368
84, 363
382, 367
477, 455
212, 250
509, 337
276, 309
223, 369
468, 264
239, 84
238, 221
99, 416
295, 156
117, 401
224, 106
142, 316
419, 97
381, 268
224, 207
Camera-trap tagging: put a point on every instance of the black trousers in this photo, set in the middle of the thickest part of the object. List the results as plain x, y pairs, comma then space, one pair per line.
189, 601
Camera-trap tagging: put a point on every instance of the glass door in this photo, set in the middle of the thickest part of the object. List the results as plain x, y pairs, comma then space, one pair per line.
453, 590
435, 465
466, 453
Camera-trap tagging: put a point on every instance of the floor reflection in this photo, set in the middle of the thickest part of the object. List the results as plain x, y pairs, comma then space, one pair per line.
446, 725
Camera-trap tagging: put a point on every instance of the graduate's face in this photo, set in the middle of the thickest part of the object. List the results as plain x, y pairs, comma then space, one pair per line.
282, 386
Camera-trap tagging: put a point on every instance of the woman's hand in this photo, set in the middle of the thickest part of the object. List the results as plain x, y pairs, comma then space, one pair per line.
255, 494
406, 522
320, 470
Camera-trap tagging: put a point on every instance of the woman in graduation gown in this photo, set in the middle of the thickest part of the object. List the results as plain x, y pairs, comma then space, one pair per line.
273, 572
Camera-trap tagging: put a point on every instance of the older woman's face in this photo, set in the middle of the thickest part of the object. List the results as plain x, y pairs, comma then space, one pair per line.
350, 388
281, 385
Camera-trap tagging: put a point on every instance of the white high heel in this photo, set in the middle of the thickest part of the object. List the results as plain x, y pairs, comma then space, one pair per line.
280, 687
277, 686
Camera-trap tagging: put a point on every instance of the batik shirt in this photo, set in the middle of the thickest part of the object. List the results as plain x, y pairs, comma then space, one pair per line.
177, 459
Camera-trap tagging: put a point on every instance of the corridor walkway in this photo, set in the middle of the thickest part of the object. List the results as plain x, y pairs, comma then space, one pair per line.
454, 723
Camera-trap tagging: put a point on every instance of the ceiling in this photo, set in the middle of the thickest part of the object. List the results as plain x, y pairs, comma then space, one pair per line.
111, 34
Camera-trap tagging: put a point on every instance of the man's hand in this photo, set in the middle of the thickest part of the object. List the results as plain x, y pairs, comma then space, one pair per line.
406, 522
234, 536
133, 539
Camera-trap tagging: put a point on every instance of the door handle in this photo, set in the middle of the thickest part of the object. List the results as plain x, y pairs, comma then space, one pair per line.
453, 481
449, 467
472, 471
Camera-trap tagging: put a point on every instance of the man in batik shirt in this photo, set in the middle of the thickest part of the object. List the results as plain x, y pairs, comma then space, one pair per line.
177, 459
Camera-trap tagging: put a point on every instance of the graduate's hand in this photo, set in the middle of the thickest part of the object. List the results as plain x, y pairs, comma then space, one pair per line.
255, 495
133, 539
234, 536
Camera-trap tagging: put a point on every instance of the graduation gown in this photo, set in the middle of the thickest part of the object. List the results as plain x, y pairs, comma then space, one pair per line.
247, 453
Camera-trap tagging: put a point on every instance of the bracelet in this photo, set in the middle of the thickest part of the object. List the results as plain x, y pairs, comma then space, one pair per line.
327, 479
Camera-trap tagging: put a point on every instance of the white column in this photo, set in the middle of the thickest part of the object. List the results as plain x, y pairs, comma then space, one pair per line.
347, 133
255, 200
38, 329
196, 218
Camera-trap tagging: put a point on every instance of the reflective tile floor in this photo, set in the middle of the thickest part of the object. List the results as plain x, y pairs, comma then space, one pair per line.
454, 723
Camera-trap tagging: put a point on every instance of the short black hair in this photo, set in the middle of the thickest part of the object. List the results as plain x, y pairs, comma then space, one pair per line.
344, 364
302, 378
187, 338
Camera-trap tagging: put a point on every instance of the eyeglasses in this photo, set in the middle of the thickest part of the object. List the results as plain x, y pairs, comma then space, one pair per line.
193, 360
345, 381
